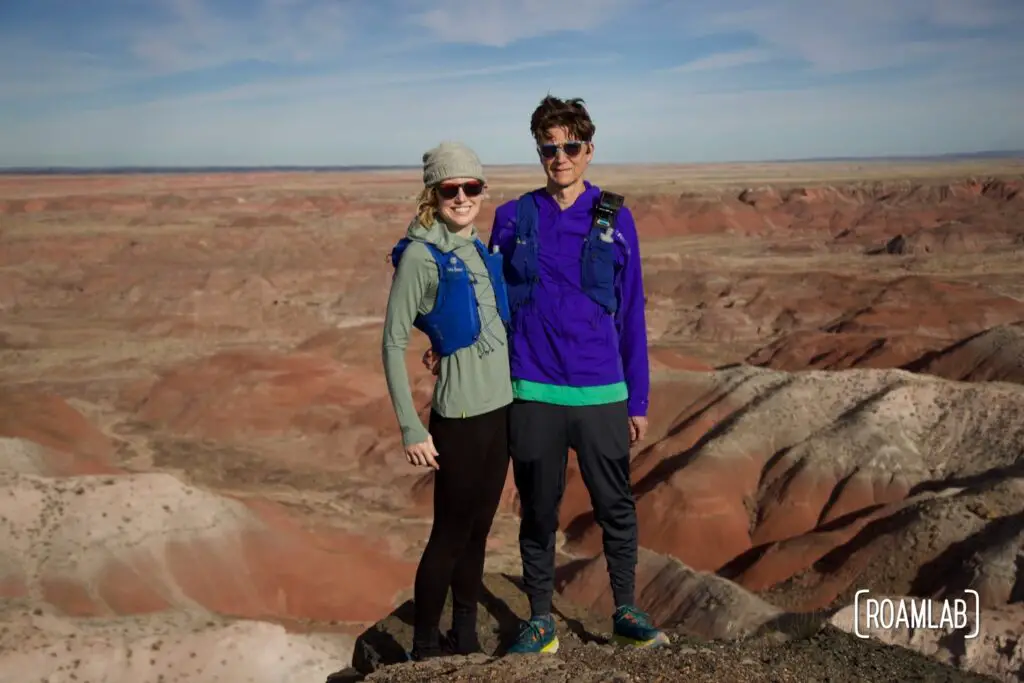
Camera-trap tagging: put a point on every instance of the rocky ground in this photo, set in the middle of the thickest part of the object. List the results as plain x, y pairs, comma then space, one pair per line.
803, 648
202, 478
831, 655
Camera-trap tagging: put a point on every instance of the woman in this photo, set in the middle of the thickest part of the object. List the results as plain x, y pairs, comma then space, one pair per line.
448, 286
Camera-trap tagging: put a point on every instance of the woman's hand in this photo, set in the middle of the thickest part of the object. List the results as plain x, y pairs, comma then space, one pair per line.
423, 454
432, 361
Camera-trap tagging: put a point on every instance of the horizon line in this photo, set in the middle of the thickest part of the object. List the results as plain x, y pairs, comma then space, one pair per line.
263, 168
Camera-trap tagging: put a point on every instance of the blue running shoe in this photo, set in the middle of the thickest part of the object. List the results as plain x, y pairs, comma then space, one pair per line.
632, 627
536, 635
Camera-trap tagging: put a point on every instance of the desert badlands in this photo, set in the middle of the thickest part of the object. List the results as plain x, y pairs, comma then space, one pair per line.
204, 479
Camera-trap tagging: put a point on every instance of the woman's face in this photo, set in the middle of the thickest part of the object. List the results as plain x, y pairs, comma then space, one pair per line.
459, 201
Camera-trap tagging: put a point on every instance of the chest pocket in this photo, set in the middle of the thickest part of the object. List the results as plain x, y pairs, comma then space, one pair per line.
598, 270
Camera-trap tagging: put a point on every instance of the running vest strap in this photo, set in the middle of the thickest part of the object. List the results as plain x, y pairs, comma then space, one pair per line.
597, 260
454, 322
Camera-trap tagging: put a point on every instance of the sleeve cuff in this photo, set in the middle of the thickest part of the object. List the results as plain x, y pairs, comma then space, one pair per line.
637, 408
414, 435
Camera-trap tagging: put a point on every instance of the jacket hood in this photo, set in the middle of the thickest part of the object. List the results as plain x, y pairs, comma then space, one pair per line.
439, 235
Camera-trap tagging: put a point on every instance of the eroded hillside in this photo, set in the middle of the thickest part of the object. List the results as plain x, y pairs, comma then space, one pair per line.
203, 478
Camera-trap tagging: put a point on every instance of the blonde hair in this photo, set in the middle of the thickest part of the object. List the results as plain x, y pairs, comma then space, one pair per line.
426, 207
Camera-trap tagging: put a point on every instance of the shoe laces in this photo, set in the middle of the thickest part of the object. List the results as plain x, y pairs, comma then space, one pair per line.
535, 628
632, 615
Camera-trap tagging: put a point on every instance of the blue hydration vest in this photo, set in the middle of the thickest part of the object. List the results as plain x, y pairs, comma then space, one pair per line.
597, 262
454, 322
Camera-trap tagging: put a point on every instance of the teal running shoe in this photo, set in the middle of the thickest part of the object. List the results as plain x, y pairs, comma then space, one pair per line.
632, 627
536, 635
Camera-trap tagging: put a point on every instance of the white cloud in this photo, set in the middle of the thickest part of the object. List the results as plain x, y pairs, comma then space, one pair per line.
723, 60
499, 23
636, 121
28, 71
185, 35
928, 118
974, 14
840, 36
368, 110
196, 36
358, 85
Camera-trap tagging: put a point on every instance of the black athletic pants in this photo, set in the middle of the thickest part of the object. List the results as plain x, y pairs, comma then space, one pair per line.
473, 462
540, 435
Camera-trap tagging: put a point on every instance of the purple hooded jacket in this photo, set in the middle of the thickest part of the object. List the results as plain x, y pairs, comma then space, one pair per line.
562, 337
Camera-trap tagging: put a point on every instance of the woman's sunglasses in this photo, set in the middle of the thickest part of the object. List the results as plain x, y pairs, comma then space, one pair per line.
473, 188
572, 149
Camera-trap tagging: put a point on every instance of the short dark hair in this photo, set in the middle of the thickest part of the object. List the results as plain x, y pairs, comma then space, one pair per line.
569, 114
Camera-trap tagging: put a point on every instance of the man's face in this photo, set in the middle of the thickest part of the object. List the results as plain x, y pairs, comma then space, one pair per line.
564, 159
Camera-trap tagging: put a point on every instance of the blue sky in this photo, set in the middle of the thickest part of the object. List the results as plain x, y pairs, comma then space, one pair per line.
240, 82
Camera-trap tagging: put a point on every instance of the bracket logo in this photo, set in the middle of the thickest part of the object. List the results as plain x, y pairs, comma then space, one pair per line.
877, 614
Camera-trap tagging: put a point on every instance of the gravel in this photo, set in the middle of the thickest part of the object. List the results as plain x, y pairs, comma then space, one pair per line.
828, 656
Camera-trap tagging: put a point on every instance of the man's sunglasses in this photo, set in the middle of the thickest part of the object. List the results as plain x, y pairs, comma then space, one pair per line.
473, 188
572, 149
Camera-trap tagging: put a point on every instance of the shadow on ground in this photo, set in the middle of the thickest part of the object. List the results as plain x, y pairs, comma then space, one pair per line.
503, 606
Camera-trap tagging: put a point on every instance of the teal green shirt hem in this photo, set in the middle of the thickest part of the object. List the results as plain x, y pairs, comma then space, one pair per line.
525, 390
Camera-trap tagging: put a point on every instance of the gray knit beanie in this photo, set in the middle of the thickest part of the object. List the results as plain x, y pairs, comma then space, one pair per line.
451, 160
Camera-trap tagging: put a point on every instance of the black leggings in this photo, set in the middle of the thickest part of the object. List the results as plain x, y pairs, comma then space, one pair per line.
473, 462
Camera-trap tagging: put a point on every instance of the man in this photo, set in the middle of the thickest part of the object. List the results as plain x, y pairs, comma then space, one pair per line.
579, 366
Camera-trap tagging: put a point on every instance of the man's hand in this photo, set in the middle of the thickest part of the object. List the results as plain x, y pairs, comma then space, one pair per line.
423, 454
432, 361
637, 429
